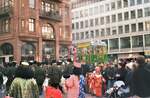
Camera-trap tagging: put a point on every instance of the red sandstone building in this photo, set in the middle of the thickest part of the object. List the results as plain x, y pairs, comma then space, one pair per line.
34, 29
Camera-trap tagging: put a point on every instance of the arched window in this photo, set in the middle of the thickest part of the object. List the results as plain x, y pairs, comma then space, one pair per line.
6, 49
48, 31
28, 49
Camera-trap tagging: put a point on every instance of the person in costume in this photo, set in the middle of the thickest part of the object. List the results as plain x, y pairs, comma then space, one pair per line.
98, 81
24, 85
72, 83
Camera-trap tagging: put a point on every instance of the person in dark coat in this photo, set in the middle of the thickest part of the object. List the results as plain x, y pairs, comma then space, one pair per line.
121, 71
110, 75
141, 79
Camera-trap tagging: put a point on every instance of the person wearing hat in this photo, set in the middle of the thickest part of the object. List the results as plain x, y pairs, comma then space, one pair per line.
24, 85
72, 83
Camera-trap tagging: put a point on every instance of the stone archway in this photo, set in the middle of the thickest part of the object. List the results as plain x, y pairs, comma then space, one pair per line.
6, 52
48, 31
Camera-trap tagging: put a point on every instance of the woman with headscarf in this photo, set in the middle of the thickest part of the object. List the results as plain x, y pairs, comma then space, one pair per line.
24, 85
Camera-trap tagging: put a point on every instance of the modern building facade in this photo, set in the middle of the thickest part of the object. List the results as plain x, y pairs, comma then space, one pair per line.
34, 29
123, 24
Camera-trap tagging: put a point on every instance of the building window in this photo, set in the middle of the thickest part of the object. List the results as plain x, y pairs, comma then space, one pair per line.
125, 42
32, 3
77, 36
86, 12
22, 24
132, 2
73, 36
51, 6
102, 20
119, 4
86, 23
31, 25
140, 26
96, 21
96, 10
113, 18
114, 31
113, 6
120, 29
81, 13
92, 34
47, 7
140, 13
147, 11
4, 25
82, 35
139, 1
146, 1
86, 34
81, 24
107, 19
107, 7
125, 3
108, 31
77, 25
91, 11
137, 41
147, 25
73, 26
147, 40
48, 31
127, 29
126, 16
97, 32
114, 43
120, 17
102, 32
133, 15
101, 8
91, 22
133, 27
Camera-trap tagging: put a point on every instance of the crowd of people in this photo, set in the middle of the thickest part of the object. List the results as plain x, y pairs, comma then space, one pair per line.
75, 79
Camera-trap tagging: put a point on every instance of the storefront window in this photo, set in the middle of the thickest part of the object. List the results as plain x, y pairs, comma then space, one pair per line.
28, 51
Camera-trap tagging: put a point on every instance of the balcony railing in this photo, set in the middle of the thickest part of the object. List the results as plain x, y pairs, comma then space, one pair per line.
53, 15
5, 11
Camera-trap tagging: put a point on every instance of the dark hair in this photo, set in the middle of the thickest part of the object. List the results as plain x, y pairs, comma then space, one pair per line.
77, 71
141, 60
54, 74
24, 72
1, 79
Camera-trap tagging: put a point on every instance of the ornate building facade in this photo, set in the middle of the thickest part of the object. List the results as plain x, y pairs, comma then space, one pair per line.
34, 29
